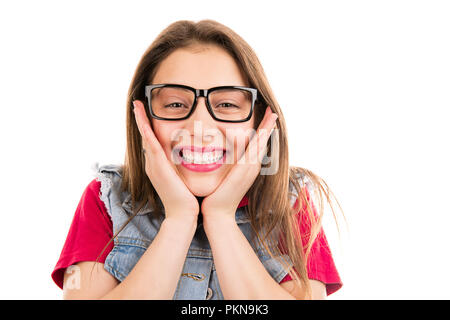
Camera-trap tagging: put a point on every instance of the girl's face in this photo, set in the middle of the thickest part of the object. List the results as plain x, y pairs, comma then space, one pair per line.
202, 67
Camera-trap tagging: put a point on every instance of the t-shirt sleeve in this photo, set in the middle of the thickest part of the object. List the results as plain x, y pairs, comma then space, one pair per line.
320, 264
90, 231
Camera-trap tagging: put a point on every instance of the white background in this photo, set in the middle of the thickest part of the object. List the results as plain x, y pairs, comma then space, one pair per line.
364, 86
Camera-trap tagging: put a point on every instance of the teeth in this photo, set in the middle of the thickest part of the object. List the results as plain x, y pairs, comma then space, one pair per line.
202, 158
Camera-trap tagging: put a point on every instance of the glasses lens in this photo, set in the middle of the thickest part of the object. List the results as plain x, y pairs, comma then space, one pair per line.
231, 104
171, 102
226, 104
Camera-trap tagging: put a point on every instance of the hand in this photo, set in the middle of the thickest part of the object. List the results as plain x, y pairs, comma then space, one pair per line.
177, 199
224, 201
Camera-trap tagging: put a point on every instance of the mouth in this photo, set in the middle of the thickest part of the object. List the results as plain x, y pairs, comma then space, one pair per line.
202, 159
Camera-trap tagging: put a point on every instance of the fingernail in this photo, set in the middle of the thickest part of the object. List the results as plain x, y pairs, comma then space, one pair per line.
134, 105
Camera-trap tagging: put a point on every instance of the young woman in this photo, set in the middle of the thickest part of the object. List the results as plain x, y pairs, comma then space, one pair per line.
199, 210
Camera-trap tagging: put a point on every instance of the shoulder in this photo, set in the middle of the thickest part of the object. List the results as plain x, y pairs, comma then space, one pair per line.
320, 265
107, 176
109, 171
90, 230
91, 207
299, 179
93, 188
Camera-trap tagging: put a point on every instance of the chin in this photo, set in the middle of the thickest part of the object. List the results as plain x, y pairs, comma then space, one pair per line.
201, 193
202, 186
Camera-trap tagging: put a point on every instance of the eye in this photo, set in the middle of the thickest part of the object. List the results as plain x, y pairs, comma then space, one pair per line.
172, 105
228, 105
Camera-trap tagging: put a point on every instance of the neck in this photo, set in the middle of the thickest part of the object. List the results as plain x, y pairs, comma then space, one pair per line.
200, 215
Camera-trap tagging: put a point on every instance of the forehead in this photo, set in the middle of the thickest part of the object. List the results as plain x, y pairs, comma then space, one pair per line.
200, 67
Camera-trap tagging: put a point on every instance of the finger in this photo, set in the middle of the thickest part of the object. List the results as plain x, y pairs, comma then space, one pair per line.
150, 142
269, 116
266, 124
264, 137
161, 169
243, 174
257, 145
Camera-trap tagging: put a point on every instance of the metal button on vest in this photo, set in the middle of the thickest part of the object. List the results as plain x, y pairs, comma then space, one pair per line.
210, 294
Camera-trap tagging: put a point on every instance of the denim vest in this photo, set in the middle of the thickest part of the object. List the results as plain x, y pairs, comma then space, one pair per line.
198, 279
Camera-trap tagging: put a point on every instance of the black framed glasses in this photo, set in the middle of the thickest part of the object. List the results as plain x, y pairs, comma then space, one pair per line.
178, 102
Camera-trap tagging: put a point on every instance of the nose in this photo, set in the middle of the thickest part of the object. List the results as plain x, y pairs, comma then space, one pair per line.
201, 110
201, 124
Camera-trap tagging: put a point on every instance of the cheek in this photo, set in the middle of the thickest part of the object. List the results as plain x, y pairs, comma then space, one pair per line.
163, 133
238, 140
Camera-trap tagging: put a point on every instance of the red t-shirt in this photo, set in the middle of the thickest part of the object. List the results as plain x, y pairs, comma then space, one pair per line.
91, 229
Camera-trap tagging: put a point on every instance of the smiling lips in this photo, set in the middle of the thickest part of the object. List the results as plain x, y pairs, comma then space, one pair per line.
200, 159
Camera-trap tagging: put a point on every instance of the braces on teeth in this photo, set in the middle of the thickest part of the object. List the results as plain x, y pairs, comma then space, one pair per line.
204, 158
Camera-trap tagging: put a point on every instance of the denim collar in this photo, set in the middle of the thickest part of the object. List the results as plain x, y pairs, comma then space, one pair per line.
241, 215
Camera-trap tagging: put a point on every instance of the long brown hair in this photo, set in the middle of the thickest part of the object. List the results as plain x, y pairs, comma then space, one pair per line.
268, 192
